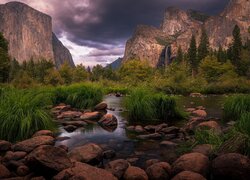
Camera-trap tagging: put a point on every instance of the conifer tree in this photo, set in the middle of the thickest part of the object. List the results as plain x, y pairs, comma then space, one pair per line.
4, 59
179, 56
236, 46
203, 48
192, 55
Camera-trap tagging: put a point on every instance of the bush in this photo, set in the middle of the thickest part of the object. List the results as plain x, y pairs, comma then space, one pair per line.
235, 106
22, 113
142, 104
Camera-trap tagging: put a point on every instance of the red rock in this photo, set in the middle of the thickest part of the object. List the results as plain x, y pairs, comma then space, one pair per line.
231, 166
4, 172
69, 114
88, 153
30, 144
205, 149
91, 116
188, 175
5, 145
14, 155
101, 106
22, 170
160, 170
108, 120
151, 162
195, 162
210, 125
84, 171
200, 113
43, 133
117, 167
135, 173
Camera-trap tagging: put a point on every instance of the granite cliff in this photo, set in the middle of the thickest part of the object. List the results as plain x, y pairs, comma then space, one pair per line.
29, 33
159, 45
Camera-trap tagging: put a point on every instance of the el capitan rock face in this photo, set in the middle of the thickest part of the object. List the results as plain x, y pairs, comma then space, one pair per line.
29, 33
151, 44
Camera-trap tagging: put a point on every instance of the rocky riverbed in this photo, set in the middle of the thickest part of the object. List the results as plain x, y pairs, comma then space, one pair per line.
101, 144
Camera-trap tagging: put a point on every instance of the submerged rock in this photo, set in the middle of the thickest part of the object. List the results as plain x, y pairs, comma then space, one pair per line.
150, 136
108, 120
231, 166
195, 162
89, 153
135, 173
84, 171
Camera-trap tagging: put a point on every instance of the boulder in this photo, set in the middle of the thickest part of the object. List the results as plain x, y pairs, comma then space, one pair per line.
48, 160
75, 123
69, 114
213, 125
109, 154
188, 175
156, 136
200, 113
160, 127
5, 145
135, 173
14, 155
108, 120
43, 133
22, 170
160, 170
191, 125
205, 149
130, 128
91, 116
195, 162
168, 144
133, 160
139, 129
30, 144
4, 172
151, 162
117, 167
89, 153
170, 130
150, 128
101, 106
84, 171
70, 128
231, 166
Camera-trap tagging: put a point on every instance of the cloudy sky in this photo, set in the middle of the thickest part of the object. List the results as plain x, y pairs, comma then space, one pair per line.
95, 31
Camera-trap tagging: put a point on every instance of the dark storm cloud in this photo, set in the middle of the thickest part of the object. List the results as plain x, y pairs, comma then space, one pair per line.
113, 21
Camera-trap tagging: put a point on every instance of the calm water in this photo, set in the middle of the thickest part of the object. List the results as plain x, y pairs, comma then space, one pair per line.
124, 143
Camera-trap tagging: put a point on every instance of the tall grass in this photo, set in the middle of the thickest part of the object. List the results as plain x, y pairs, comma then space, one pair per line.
142, 104
22, 113
235, 106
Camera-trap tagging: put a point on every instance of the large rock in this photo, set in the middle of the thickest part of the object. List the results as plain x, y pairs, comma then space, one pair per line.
48, 160
188, 175
160, 170
90, 153
200, 113
43, 133
108, 120
5, 145
213, 125
69, 114
139, 129
101, 106
30, 144
135, 173
84, 171
195, 162
231, 166
117, 167
20, 25
4, 172
169, 130
91, 116
14, 155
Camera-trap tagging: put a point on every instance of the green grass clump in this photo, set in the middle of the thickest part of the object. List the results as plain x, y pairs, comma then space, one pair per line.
142, 104
235, 106
22, 113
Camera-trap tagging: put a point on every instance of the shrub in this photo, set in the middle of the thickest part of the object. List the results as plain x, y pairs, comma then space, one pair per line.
22, 113
235, 106
142, 104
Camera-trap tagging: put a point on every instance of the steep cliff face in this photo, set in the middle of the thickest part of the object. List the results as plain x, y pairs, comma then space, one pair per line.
178, 26
29, 33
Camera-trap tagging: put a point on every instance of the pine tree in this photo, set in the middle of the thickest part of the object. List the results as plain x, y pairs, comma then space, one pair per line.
4, 60
221, 55
192, 55
179, 57
14, 69
203, 48
236, 46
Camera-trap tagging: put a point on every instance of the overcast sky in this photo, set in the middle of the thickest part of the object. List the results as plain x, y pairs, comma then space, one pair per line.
95, 31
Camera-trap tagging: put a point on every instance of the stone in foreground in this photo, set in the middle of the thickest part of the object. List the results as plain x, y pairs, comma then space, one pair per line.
188, 175
135, 173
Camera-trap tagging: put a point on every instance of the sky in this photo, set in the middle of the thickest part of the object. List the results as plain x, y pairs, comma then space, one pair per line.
96, 31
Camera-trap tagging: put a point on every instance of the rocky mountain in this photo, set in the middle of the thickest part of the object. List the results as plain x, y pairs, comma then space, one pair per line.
159, 45
29, 33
